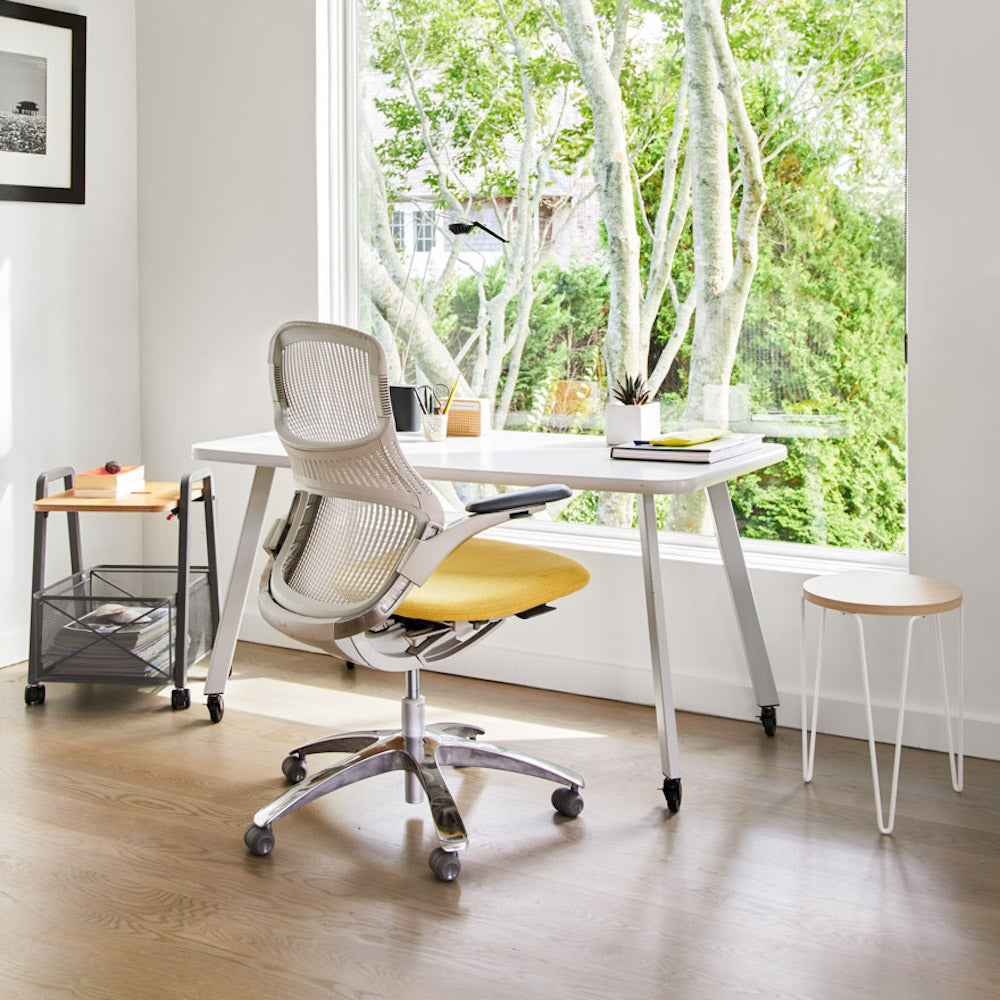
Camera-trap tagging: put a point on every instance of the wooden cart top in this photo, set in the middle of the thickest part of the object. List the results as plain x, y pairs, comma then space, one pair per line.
155, 498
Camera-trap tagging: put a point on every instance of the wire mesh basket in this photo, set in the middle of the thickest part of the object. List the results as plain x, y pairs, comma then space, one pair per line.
119, 624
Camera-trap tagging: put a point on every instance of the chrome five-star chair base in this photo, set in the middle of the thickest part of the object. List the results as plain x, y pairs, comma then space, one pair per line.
420, 751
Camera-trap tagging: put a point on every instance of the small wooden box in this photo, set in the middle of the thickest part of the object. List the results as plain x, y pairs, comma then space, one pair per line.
469, 417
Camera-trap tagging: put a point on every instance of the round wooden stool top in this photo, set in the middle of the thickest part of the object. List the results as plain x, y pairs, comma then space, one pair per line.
867, 592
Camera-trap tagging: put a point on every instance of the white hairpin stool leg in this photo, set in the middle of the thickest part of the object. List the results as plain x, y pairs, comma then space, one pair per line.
809, 739
885, 827
956, 760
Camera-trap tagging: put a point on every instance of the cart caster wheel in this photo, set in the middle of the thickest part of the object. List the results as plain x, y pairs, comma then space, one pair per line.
216, 708
294, 769
672, 793
259, 840
34, 694
180, 698
768, 719
567, 802
445, 864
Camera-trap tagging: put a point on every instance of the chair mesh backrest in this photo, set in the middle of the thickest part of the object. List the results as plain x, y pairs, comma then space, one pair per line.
333, 416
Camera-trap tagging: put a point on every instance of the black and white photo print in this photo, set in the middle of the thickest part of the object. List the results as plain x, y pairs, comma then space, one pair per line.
22, 103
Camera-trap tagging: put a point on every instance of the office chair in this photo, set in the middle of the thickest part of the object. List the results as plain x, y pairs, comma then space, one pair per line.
364, 567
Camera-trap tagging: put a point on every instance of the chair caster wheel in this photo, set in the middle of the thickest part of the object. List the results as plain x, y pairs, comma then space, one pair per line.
180, 698
567, 802
445, 864
768, 719
216, 707
259, 840
34, 694
294, 769
672, 793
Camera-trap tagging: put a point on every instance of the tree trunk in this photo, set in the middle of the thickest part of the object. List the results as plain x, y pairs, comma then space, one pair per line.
522, 328
412, 324
613, 181
722, 282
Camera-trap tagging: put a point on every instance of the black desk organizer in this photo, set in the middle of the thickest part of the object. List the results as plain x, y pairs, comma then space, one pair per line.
177, 601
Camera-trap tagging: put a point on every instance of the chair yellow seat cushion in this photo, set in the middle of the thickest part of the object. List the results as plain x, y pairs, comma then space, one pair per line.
484, 579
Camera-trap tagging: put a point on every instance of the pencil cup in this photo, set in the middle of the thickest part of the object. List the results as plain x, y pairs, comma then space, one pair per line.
435, 426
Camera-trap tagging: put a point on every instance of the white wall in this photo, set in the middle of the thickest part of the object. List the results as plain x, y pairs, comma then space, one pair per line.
69, 348
227, 219
954, 270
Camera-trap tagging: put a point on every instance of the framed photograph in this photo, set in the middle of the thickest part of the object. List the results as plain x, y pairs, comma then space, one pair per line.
43, 80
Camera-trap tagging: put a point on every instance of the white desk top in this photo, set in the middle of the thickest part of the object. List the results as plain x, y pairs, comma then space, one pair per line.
521, 458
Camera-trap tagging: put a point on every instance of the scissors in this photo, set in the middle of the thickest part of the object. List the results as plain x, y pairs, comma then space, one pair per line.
430, 397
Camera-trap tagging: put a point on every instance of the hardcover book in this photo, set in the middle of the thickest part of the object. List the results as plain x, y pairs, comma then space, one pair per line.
727, 446
96, 483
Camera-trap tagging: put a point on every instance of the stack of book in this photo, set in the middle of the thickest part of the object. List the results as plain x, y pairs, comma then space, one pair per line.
98, 483
725, 446
114, 639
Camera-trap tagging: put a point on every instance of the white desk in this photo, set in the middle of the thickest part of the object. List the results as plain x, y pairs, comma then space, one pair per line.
519, 458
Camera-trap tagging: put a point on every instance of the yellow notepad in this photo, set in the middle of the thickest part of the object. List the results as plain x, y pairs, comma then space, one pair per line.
696, 435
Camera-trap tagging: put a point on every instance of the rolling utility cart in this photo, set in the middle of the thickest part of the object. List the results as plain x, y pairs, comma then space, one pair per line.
142, 625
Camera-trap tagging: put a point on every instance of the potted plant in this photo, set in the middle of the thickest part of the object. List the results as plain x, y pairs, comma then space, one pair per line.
630, 415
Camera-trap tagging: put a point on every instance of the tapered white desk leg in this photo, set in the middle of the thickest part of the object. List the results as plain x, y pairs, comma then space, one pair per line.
239, 586
731, 550
666, 723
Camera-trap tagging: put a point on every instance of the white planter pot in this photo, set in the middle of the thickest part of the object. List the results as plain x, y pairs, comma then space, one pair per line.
626, 424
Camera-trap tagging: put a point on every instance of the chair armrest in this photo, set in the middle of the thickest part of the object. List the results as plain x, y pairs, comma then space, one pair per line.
521, 501
430, 552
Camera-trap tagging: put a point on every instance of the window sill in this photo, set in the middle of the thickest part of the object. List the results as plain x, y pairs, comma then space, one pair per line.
787, 557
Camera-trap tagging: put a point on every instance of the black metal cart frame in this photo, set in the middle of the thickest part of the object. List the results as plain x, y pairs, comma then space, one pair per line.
180, 696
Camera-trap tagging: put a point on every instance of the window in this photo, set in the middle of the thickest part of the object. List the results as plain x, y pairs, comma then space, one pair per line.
398, 224
423, 224
800, 274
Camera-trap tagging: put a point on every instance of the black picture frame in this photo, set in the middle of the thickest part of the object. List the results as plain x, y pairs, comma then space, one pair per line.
34, 48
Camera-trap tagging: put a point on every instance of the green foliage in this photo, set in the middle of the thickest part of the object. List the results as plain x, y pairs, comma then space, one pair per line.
582, 509
568, 320
567, 329
848, 490
823, 337
458, 58
821, 348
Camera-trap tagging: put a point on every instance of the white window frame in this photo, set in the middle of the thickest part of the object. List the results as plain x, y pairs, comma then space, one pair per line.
337, 158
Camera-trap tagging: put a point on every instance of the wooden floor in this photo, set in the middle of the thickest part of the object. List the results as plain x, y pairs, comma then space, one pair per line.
123, 875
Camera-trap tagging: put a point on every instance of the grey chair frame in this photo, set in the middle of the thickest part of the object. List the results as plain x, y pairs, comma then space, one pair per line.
350, 470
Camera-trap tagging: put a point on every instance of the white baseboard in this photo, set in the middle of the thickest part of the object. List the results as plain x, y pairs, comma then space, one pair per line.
495, 660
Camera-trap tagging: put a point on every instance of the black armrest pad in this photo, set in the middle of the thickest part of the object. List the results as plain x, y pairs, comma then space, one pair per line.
523, 498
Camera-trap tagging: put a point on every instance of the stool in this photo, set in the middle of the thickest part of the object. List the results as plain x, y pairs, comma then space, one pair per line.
899, 595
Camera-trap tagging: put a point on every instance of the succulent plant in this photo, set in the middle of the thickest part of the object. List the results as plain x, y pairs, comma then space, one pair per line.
631, 390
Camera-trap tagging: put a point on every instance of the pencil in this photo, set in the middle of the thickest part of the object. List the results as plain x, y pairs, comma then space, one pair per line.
451, 395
